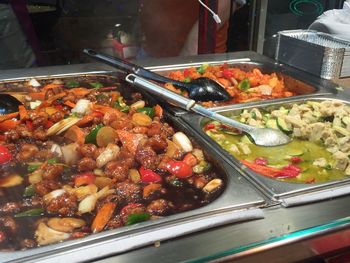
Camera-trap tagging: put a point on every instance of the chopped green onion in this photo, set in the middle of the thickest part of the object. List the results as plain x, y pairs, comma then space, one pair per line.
147, 110
31, 212
29, 191
137, 218
244, 85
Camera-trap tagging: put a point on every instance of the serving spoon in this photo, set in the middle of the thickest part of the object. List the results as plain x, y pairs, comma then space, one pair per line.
261, 136
200, 89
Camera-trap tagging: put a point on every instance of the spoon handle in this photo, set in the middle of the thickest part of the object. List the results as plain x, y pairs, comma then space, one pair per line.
172, 97
184, 102
218, 117
132, 68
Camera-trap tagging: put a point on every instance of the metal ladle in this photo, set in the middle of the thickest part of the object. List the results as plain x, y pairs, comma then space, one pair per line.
261, 136
201, 89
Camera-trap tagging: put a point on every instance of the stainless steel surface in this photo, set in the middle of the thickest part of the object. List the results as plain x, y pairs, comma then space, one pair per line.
318, 53
287, 193
261, 136
238, 196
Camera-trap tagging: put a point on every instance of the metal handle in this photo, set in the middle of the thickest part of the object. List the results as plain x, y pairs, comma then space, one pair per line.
132, 68
161, 92
215, 116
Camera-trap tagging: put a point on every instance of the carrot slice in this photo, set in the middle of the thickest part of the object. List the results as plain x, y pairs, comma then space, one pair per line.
69, 104
23, 113
190, 159
51, 86
102, 217
8, 116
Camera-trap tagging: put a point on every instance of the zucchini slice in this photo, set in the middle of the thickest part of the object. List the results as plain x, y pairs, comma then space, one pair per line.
271, 123
283, 126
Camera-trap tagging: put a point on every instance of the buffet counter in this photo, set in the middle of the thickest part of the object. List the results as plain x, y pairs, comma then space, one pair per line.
283, 223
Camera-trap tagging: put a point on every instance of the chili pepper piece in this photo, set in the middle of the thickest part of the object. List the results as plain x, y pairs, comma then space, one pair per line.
148, 176
296, 159
179, 168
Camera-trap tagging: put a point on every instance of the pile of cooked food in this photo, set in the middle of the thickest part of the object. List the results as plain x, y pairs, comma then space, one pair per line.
319, 151
79, 158
243, 86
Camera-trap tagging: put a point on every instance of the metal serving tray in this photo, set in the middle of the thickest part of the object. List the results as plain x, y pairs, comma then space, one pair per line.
295, 80
238, 202
288, 194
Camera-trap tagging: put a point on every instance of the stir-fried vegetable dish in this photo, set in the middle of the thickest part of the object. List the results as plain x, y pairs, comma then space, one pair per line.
243, 86
79, 158
320, 149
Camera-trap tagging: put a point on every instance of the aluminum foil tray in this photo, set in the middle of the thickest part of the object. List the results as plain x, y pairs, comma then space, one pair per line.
317, 53
285, 193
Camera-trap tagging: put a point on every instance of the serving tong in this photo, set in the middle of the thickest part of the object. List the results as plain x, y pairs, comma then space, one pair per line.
261, 136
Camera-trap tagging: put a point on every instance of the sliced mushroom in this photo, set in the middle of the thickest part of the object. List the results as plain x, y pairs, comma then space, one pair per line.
66, 224
45, 235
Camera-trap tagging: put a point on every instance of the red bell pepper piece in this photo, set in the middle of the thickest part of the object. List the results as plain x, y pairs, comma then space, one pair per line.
227, 73
261, 161
289, 171
179, 168
187, 72
209, 126
148, 176
84, 179
261, 169
5, 155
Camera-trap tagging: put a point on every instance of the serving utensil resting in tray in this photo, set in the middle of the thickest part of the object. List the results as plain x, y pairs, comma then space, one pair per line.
201, 89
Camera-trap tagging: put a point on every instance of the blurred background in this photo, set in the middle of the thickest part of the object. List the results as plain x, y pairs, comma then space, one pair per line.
53, 32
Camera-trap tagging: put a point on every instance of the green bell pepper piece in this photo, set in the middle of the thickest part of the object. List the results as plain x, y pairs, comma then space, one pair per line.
244, 85
147, 110
91, 137
72, 84
137, 218
31, 212
202, 68
121, 105
96, 85
32, 167
29, 191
